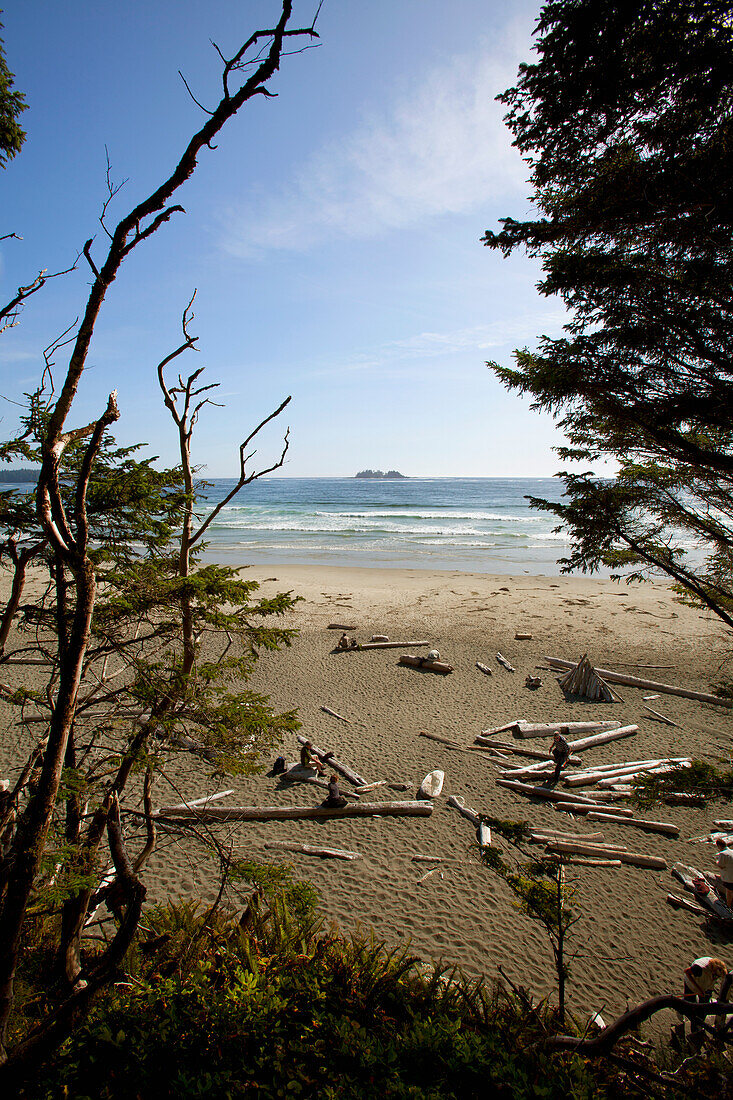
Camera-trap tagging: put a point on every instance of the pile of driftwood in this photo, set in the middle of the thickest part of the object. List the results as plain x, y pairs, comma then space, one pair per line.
520, 728
652, 685
605, 776
584, 680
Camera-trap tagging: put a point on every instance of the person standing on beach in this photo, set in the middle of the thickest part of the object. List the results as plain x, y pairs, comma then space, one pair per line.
559, 751
700, 978
725, 863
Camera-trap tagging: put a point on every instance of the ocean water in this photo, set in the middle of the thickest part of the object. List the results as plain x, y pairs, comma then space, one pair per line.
482, 525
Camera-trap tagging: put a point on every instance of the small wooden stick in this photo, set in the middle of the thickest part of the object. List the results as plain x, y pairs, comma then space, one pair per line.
335, 714
484, 668
503, 661
662, 717
443, 740
426, 876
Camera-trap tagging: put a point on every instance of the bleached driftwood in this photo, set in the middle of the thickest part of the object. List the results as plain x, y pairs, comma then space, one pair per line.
335, 714
331, 762
606, 769
592, 777
422, 662
484, 668
686, 903
426, 876
583, 743
545, 765
661, 717
652, 685
617, 782
310, 850
458, 802
505, 747
483, 835
665, 827
546, 729
295, 813
543, 792
443, 740
633, 859
584, 680
427, 859
538, 834
389, 645
503, 661
371, 786
580, 862
587, 806
500, 729
196, 801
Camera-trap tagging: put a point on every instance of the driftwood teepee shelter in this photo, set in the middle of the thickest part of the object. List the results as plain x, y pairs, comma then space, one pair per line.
584, 680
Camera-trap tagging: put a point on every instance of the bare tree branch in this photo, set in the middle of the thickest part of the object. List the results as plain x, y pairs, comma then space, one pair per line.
244, 478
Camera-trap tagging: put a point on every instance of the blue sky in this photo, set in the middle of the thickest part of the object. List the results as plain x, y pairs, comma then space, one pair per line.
333, 236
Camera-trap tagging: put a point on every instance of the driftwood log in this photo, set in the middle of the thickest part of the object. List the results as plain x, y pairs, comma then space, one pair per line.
616, 734
310, 850
545, 792
664, 827
686, 903
331, 762
652, 685
196, 801
633, 859
484, 668
295, 813
630, 1021
599, 807
466, 811
428, 666
546, 729
507, 664
389, 645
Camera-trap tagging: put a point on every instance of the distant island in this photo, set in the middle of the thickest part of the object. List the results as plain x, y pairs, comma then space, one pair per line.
379, 473
23, 474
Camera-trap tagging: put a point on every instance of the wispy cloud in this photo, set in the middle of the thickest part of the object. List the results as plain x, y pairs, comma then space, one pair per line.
397, 356
440, 149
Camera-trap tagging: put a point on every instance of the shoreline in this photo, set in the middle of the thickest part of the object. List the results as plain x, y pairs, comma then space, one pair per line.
633, 945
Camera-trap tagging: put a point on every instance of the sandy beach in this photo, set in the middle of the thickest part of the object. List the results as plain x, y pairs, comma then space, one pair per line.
631, 944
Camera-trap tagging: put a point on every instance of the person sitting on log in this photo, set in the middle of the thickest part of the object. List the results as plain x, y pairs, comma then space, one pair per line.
343, 642
308, 759
725, 863
559, 751
335, 800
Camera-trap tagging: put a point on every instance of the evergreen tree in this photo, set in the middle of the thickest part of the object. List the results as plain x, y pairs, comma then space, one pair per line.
12, 105
626, 121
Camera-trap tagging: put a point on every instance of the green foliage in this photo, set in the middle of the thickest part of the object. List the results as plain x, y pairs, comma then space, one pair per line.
626, 120
12, 105
324, 1016
701, 779
513, 831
